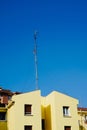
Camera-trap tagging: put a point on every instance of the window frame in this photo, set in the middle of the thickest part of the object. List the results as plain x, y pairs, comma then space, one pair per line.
26, 107
3, 115
66, 111
67, 127
28, 126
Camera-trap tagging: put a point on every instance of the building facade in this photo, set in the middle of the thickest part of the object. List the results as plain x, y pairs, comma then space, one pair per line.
82, 118
25, 112
31, 111
5, 97
59, 112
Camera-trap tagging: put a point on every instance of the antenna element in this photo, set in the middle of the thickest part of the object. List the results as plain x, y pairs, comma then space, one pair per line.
35, 56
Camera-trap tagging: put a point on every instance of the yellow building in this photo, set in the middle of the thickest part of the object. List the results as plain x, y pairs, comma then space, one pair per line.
3, 118
60, 112
31, 111
24, 112
82, 118
4, 98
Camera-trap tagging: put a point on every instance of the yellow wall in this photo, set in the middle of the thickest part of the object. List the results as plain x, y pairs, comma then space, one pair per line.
53, 105
64, 100
16, 116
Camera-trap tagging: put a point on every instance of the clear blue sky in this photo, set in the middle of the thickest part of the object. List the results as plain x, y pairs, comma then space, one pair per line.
62, 46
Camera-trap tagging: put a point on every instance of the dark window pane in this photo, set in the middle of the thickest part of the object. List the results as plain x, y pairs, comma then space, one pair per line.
28, 109
67, 128
2, 105
2, 115
28, 127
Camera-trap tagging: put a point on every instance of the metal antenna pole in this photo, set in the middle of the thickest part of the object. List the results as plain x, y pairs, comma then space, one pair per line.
35, 56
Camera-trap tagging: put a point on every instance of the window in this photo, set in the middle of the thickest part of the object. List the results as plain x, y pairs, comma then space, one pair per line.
67, 127
28, 109
9, 97
2, 115
27, 127
86, 119
66, 111
2, 105
43, 124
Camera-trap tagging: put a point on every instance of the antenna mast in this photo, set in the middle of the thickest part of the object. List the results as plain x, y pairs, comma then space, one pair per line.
35, 56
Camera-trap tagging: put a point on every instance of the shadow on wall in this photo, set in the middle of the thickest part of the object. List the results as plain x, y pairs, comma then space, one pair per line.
46, 118
81, 127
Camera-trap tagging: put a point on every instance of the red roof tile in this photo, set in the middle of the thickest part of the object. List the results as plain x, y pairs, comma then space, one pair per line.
82, 109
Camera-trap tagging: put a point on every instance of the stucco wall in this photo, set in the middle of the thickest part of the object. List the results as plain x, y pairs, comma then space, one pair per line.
61, 120
17, 118
53, 105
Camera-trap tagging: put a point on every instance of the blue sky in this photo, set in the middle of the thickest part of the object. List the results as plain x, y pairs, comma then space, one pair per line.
62, 46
